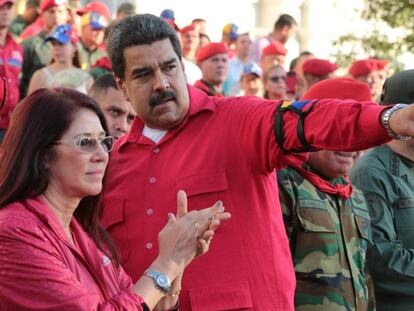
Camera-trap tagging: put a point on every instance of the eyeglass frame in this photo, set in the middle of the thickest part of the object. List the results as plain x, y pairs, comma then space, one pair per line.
75, 142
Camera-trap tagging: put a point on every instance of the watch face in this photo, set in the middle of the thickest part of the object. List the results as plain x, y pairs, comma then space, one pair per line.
163, 281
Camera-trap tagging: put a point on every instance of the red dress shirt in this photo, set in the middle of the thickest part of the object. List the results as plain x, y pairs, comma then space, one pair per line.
224, 149
41, 270
11, 62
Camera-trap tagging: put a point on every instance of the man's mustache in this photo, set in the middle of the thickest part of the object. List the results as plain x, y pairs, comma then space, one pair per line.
159, 98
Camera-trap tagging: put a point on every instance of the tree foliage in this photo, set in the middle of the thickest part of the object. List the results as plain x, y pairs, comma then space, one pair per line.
382, 16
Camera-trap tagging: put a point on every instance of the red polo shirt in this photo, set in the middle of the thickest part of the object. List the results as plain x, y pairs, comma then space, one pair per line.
11, 62
224, 149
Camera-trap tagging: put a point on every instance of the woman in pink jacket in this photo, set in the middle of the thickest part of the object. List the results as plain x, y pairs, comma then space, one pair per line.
54, 255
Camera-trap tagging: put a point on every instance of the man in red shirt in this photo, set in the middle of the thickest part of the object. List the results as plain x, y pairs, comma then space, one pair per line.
11, 62
217, 148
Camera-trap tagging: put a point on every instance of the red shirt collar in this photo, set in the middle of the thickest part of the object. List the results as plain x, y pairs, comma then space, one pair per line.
199, 102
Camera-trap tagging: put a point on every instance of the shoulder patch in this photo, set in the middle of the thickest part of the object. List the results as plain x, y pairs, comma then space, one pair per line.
376, 210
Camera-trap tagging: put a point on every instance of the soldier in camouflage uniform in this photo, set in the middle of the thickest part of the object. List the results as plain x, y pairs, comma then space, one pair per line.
36, 50
386, 176
327, 221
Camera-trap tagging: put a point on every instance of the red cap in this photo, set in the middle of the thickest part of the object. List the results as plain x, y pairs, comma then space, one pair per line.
319, 67
210, 50
188, 28
339, 88
4, 2
365, 66
97, 7
47, 4
275, 48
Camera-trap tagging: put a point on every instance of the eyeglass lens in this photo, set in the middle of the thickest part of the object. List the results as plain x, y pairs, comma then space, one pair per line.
90, 144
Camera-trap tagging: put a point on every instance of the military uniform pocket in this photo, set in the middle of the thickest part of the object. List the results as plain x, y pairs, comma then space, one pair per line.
314, 217
316, 250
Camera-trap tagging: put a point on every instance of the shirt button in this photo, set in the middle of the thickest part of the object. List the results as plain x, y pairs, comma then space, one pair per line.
156, 150
150, 211
148, 245
152, 180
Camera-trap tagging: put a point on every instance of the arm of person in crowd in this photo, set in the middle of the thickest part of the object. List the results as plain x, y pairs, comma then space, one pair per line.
389, 262
36, 82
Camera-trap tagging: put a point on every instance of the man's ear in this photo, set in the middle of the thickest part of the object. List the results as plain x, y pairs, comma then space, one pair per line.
121, 86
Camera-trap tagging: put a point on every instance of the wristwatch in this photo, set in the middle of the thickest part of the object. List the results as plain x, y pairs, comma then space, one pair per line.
161, 280
385, 121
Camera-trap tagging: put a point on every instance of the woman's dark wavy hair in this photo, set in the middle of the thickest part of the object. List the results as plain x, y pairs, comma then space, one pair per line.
37, 123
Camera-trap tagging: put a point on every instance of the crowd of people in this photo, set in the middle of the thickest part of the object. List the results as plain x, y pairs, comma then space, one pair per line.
123, 140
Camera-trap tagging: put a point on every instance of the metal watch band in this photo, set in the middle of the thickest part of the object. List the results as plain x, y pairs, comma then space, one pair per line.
385, 121
155, 275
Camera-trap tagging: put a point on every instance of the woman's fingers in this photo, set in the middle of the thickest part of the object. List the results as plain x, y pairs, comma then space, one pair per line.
181, 204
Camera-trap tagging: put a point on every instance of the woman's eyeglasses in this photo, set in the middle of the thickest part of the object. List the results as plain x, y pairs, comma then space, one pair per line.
277, 78
90, 144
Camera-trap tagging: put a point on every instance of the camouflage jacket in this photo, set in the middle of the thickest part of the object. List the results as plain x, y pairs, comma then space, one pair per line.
328, 238
87, 58
36, 55
387, 180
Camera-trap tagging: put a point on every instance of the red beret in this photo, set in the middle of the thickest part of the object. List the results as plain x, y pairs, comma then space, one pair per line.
210, 50
319, 67
339, 88
275, 48
365, 66
188, 28
97, 7
47, 4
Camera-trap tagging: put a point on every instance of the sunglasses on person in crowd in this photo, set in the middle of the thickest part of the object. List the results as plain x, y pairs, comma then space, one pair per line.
90, 144
277, 78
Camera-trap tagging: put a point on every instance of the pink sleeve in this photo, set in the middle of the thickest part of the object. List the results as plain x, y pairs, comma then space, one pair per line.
34, 276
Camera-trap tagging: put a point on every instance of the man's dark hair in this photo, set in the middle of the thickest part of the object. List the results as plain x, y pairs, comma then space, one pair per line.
127, 7
285, 20
135, 30
101, 85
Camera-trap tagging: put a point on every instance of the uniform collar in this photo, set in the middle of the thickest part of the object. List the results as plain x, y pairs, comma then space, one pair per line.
199, 102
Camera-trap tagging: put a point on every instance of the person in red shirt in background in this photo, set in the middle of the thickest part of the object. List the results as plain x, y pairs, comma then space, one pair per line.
285, 27
11, 63
190, 41
229, 37
315, 70
213, 61
372, 72
273, 54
